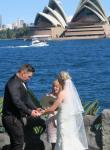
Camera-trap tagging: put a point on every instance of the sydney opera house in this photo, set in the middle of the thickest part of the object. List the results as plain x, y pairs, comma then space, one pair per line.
89, 21
52, 21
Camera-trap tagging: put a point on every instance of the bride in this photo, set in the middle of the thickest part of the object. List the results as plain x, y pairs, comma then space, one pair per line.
70, 127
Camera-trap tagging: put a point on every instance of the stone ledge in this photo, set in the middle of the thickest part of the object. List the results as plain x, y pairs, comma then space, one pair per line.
97, 139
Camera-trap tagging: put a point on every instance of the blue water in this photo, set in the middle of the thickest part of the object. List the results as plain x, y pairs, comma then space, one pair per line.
88, 62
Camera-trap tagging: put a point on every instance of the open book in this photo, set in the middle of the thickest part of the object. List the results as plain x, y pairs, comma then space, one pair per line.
47, 101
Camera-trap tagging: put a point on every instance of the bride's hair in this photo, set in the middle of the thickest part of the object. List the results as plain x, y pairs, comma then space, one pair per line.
62, 77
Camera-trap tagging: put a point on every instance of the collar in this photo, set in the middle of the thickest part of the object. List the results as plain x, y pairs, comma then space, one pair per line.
18, 77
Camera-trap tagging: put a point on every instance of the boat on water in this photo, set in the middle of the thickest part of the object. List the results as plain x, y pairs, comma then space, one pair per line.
40, 40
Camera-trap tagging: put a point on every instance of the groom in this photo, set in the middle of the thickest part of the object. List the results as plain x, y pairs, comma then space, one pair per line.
18, 104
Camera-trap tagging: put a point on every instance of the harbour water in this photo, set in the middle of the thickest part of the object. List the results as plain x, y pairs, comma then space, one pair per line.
88, 62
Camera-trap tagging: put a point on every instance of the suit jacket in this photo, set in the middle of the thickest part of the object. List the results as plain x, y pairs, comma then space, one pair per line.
17, 101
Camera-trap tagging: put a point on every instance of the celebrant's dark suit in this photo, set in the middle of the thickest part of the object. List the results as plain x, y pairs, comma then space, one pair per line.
17, 104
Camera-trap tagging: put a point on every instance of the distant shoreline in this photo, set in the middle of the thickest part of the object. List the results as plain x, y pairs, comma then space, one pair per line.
62, 38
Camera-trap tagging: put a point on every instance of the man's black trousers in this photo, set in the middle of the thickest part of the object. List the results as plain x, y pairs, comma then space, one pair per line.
14, 128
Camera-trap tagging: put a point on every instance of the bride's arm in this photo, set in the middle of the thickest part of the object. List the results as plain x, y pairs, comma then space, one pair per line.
56, 104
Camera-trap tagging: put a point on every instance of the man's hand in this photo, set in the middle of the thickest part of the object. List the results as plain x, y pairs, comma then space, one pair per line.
40, 110
35, 113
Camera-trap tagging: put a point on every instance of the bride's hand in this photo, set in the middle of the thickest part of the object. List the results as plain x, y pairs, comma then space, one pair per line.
44, 111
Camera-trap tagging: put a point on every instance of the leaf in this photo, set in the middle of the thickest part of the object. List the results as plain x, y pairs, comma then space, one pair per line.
1, 104
38, 130
91, 108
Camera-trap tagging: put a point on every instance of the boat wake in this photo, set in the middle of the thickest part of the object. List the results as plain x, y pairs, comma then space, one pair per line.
26, 46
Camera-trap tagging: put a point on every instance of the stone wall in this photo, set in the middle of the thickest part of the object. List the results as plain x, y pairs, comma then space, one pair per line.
93, 134
106, 129
4, 139
97, 130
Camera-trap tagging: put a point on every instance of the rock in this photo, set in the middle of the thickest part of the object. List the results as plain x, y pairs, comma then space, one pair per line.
98, 138
4, 140
44, 139
106, 129
92, 134
88, 120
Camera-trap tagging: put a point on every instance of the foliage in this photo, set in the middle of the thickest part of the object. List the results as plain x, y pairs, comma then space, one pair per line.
1, 104
91, 108
34, 98
14, 33
2, 130
39, 129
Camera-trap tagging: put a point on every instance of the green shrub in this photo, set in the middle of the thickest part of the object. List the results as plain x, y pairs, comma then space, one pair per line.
91, 108
34, 98
1, 104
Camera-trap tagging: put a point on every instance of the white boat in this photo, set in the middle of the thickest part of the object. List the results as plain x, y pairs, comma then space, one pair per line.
39, 43
39, 40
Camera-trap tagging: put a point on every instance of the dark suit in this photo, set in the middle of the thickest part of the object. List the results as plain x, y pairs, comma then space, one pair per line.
17, 104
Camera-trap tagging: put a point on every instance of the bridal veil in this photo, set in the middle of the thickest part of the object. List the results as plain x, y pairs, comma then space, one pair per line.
75, 110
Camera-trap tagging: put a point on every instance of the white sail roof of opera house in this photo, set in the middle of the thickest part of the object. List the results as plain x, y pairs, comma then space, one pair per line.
51, 19
57, 5
53, 13
96, 2
92, 9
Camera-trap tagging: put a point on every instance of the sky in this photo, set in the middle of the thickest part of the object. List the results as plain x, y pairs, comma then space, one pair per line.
26, 10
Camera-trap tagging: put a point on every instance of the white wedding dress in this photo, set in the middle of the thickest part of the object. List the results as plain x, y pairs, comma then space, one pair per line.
70, 127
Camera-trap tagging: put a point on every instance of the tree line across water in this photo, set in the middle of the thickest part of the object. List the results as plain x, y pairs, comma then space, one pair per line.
14, 33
